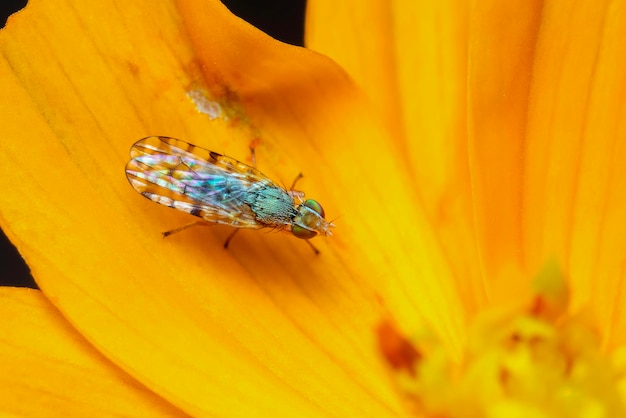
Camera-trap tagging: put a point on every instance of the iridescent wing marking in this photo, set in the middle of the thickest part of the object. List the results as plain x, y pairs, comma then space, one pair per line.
194, 180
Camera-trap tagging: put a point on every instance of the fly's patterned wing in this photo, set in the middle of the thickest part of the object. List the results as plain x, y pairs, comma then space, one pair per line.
191, 179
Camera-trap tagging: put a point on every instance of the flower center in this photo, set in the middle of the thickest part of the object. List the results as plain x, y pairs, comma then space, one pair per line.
531, 361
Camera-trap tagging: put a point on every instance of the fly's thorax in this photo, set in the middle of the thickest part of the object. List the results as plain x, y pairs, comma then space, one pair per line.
271, 205
309, 220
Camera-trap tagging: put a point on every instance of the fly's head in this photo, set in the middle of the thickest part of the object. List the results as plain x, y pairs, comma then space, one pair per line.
309, 221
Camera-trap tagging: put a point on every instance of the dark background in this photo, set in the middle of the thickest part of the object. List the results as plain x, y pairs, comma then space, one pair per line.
281, 19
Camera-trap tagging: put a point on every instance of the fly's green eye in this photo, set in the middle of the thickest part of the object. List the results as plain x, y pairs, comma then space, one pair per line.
308, 221
302, 233
312, 204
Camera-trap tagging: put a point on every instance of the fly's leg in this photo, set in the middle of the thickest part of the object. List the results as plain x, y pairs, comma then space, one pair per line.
199, 223
253, 156
182, 228
298, 177
253, 145
315, 250
229, 238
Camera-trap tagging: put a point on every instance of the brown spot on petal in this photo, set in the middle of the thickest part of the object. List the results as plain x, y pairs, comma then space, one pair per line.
397, 350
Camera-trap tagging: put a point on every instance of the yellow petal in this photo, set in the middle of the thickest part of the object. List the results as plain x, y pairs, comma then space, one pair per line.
576, 155
513, 132
546, 94
50, 370
500, 70
357, 166
203, 327
411, 59
360, 37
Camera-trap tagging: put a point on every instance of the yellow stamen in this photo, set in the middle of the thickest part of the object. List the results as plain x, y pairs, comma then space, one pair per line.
535, 360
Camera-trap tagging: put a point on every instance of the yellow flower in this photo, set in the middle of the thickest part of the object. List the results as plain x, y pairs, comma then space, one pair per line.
509, 114
476, 142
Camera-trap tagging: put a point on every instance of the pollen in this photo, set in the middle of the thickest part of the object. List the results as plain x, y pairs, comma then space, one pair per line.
534, 360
